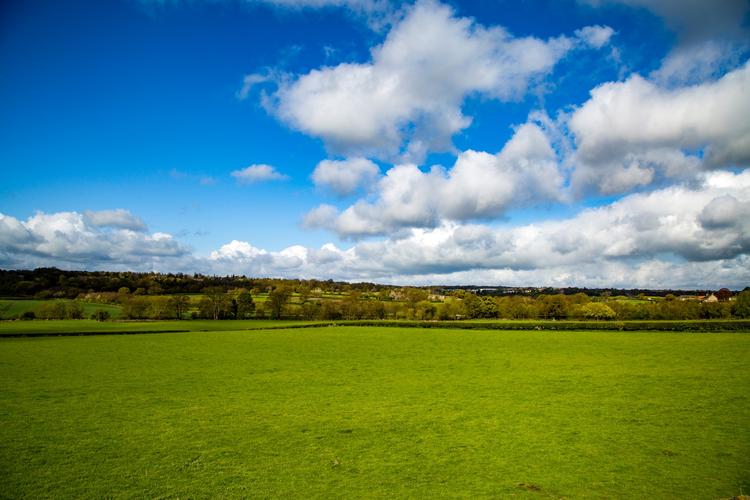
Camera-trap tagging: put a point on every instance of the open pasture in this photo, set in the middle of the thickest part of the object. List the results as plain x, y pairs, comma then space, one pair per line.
65, 327
12, 308
91, 327
376, 412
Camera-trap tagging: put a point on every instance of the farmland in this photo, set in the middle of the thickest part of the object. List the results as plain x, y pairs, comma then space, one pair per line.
375, 412
12, 308
56, 294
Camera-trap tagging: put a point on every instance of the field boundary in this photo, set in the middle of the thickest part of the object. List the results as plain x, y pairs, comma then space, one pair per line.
669, 326
138, 332
567, 325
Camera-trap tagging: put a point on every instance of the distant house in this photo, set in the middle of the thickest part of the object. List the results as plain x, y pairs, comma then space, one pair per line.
711, 298
691, 297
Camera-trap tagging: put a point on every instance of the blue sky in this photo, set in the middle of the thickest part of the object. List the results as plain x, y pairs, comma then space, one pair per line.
456, 134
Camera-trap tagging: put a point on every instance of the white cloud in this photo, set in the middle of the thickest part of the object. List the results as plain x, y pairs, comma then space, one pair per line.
696, 63
725, 212
248, 82
675, 237
237, 251
479, 185
345, 177
90, 240
690, 237
15, 236
376, 12
595, 36
694, 19
629, 133
711, 35
118, 218
258, 173
407, 100
320, 216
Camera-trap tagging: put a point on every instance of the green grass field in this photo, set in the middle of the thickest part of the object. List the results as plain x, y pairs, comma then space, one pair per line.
353, 412
12, 308
83, 326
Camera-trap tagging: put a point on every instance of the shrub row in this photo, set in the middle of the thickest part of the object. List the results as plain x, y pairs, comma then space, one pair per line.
674, 326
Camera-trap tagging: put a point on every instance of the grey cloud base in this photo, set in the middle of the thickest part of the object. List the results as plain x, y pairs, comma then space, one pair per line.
681, 236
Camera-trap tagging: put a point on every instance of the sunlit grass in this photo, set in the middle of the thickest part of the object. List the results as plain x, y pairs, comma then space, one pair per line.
376, 412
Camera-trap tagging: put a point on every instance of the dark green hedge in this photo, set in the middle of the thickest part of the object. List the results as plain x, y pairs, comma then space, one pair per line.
667, 325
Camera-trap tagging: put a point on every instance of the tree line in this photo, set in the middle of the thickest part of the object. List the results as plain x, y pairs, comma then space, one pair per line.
180, 296
50, 282
283, 302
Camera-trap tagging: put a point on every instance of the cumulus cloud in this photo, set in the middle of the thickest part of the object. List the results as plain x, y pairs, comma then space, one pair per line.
294, 261
258, 173
698, 62
90, 239
680, 236
407, 100
711, 35
118, 218
674, 237
595, 36
725, 212
479, 185
629, 133
345, 177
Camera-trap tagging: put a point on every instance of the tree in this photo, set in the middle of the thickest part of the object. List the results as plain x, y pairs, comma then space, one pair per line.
74, 310
723, 295
51, 310
243, 300
100, 315
179, 304
715, 310
135, 308
553, 306
473, 305
214, 301
741, 306
158, 307
597, 310
330, 310
414, 295
277, 299
311, 310
304, 293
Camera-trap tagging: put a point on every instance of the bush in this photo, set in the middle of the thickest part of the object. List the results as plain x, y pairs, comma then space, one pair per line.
74, 310
51, 310
100, 315
566, 325
741, 306
597, 310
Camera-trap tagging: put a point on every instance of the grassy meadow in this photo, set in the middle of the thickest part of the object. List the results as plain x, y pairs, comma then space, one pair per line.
12, 308
376, 412
88, 326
